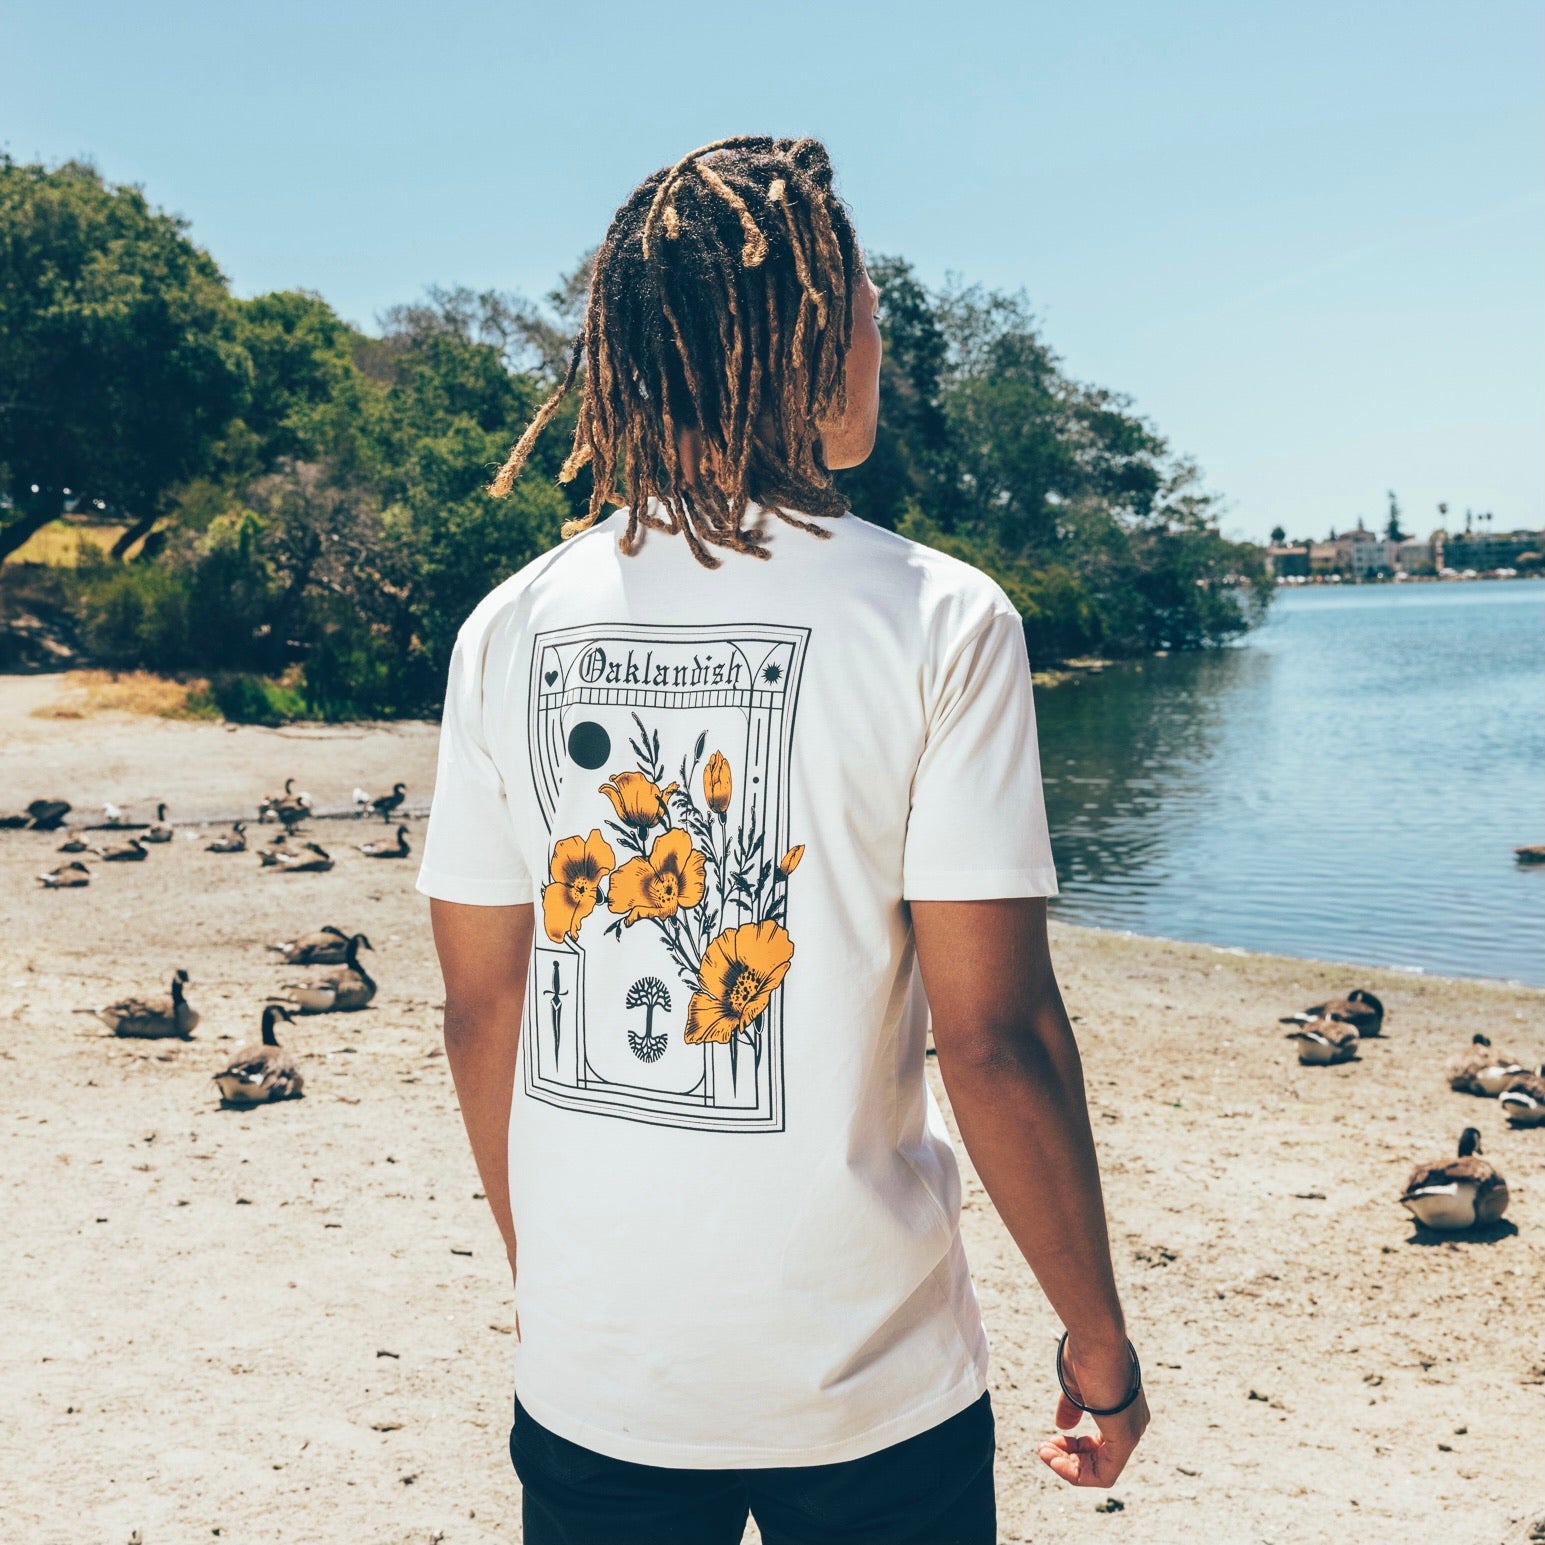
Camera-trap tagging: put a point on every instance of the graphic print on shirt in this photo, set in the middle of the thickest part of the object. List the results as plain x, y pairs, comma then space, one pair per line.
660, 757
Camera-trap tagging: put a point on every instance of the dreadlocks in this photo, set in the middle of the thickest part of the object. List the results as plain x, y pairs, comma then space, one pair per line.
720, 303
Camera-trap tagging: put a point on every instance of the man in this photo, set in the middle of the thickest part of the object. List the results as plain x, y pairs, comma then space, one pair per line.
735, 790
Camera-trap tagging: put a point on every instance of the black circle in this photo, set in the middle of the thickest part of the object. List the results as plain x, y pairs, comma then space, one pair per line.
589, 744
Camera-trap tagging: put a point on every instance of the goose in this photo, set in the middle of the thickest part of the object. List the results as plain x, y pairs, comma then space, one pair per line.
325, 947
66, 877
268, 801
1456, 1193
311, 859
1359, 1008
398, 849
291, 812
1483, 1071
74, 843
1523, 1101
384, 804
263, 1072
1534, 853
1325, 1040
151, 1017
158, 830
349, 987
47, 815
130, 852
233, 841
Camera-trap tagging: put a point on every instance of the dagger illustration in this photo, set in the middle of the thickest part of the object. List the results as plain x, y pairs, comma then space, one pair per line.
555, 995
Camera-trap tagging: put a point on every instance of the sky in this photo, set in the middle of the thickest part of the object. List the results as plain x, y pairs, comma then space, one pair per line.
1307, 239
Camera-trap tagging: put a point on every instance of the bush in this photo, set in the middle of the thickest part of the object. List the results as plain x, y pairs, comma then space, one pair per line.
246, 699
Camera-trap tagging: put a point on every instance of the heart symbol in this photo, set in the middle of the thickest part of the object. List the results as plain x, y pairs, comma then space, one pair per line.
550, 677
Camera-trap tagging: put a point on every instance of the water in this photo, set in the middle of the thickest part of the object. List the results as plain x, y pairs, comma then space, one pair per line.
1348, 784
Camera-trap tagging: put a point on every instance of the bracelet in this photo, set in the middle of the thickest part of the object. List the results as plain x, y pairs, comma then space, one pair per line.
1072, 1399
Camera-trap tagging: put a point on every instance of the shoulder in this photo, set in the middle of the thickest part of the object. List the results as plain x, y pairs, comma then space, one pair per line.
504, 610
951, 595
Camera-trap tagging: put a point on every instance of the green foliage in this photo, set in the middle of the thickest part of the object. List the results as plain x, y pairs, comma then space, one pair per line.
312, 499
246, 699
118, 346
1100, 536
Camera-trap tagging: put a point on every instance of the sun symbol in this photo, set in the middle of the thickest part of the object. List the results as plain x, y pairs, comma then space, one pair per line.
772, 672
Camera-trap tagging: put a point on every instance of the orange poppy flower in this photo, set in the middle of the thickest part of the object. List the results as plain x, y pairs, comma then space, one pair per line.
579, 864
638, 800
740, 971
790, 860
717, 783
671, 877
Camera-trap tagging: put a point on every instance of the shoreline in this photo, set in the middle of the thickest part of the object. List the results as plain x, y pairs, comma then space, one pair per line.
312, 1296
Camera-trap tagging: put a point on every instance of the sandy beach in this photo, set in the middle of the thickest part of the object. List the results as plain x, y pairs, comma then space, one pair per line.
293, 1324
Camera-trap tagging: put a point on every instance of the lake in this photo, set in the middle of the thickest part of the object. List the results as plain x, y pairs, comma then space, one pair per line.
1348, 783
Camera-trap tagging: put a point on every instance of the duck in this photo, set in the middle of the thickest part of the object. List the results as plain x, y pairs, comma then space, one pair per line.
160, 829
1359, 1008
1523, 1100
262, 1072
310, 859
151, 1018
1456, 1193
112, 814
41, 815
233, 841
269, 801
66, 877
130, 852
1322, 1041
361, 800
348, 988
398, 849
325, 947
47, 815
1484, 1071
384, 804
74, 843
1534, 853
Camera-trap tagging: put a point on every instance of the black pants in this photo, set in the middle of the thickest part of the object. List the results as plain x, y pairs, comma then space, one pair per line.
934, 1489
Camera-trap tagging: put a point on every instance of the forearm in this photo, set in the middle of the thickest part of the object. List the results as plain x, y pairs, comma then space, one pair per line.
1018, 1099
481, 1045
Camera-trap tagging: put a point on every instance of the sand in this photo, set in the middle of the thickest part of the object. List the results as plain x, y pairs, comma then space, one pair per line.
293, 1324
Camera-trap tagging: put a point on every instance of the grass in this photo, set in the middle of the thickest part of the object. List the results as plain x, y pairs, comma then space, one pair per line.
59, 544
88, 693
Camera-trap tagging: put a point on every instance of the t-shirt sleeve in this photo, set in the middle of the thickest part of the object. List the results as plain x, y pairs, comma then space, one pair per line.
977, 827
471, 853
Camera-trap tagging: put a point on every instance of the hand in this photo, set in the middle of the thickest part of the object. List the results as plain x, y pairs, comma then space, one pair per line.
1102, 1378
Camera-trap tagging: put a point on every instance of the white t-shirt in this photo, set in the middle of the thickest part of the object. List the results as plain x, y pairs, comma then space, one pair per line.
735, 1200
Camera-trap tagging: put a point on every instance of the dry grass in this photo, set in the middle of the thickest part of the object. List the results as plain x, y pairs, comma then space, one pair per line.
59, 545
88, 693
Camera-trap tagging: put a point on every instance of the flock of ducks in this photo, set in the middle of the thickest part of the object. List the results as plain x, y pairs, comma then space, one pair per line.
262, 1072
289, 808
1446, 1194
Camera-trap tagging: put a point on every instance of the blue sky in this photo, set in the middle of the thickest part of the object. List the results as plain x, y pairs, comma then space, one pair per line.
1307, 238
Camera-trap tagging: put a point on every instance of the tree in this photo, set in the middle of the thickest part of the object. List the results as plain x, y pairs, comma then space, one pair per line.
118, 349
1392, 529
1278, 536
648, 993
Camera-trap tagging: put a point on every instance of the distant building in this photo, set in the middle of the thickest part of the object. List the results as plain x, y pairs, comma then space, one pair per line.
1290, 562
1358, 554
1414, 556
1484, 550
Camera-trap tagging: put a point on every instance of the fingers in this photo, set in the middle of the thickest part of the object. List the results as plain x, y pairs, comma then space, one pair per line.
1094, 1459
1068, 1414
